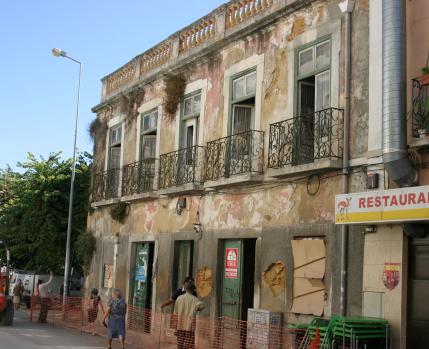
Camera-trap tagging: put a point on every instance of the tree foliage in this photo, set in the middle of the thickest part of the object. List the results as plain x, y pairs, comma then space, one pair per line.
34, 210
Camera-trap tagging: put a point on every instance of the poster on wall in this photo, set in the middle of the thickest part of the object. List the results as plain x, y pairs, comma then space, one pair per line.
391, 275
141, 273
231, 263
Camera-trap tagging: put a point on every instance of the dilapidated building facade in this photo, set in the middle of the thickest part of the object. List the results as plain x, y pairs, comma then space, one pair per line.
219, 153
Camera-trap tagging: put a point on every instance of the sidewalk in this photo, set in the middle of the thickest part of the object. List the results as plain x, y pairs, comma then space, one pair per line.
25, 334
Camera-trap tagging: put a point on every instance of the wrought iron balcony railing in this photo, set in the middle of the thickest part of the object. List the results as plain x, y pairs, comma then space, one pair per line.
181, 167
138, 177
420, 107
306, 138
233, 155
106, 185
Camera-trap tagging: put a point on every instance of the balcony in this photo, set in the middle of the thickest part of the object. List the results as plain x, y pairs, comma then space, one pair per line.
105, 185
235, 159
224, 24
306, 143
138, 180
182, 171
420, 109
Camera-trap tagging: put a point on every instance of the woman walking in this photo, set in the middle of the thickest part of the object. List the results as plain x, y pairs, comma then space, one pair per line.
94, 303
114, 319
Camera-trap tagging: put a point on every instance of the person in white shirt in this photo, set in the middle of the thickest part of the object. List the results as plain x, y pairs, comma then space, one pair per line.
44, 298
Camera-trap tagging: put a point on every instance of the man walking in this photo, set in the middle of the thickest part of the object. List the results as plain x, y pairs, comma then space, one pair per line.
44, 298
186, 308
18, 291
179, 292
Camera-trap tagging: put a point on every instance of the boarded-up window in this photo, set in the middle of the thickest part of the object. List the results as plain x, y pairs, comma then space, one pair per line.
107, 275
309, 259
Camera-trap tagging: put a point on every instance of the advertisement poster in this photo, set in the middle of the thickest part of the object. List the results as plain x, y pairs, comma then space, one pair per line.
231, 263
141, 273
391, 275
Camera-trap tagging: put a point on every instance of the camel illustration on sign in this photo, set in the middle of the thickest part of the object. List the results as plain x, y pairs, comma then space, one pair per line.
343, 206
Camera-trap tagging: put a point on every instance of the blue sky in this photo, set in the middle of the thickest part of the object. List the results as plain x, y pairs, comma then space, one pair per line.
38, 91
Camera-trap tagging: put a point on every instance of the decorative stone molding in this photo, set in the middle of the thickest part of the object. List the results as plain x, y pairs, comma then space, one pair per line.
155, 57
121, 78
199, 33
241, 10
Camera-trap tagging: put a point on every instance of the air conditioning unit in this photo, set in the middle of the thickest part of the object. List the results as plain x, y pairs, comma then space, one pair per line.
264, 329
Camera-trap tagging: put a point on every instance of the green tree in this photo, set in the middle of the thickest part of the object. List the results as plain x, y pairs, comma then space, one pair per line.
34, 208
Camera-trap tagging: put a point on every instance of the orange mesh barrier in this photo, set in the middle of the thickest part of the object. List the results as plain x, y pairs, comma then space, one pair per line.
155, 329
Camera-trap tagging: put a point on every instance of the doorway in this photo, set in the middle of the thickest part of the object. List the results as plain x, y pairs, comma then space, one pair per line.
418, 293
141, 290
237, 279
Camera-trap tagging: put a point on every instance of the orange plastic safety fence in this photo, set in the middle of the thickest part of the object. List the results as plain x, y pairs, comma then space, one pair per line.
160, 329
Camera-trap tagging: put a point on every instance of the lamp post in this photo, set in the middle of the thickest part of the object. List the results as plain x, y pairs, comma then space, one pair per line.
60, 53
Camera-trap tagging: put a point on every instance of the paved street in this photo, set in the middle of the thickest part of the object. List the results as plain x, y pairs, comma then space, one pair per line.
27, 335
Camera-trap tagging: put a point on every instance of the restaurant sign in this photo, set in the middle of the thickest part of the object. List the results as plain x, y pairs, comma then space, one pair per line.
394, 205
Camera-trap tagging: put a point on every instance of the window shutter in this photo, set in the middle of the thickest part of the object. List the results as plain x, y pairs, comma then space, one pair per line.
242, 119
148, 150
189, 136
323, 91
115, 157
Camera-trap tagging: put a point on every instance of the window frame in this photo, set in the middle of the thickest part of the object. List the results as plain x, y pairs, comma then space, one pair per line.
150, 132
315, 71
238, 101
143, 115
184, 118
117, 144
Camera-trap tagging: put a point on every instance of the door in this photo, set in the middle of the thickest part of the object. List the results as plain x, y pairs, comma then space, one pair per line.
304, 127
146, 168
418, 293
238, 154
183, 262
112, 180
142, 285
238, 272
322, 117
231, 281
187, 155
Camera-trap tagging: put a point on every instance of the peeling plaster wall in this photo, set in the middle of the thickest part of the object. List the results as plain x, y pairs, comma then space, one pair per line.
274, 212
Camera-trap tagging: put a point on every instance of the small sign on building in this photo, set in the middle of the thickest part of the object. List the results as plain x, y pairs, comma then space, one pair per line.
231, 263
383, 206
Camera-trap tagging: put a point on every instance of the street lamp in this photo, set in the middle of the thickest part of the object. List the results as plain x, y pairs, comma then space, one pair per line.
60, 53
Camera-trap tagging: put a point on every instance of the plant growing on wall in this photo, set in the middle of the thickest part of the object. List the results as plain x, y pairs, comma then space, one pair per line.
84, 249
119, 212
96, 127
174, 90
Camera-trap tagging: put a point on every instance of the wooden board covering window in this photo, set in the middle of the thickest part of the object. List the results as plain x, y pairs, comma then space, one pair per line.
309, 257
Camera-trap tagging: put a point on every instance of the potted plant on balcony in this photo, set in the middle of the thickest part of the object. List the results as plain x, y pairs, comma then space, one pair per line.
422, 116
424, 79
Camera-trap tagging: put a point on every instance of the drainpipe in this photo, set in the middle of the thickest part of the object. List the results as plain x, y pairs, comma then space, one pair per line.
346, 8
394, 128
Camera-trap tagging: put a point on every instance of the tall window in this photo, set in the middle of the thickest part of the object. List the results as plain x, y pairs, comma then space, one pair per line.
314, 78
115, 147
148, 129
114, 161
189, 124
313, 95
243, 103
